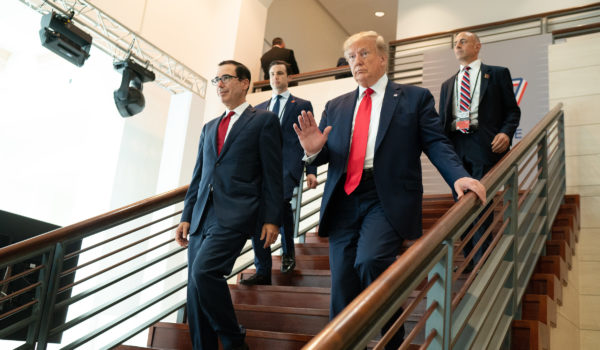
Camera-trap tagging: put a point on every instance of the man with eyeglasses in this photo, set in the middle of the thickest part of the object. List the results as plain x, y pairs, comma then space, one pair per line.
287, 107
235, 192
372, 139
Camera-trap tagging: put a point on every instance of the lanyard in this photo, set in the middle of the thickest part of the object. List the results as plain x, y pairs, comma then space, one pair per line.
457, 99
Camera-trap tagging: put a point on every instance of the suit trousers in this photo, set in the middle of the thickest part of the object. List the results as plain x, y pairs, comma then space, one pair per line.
362, 244
212, 252
465, 144
262, 256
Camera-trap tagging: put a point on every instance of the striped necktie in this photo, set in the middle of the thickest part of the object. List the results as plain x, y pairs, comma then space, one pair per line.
465, 90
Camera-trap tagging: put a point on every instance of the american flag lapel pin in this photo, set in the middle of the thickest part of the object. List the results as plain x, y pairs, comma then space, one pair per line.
486, 76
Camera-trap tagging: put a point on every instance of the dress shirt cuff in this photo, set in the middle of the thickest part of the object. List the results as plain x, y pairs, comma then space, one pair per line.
309, 159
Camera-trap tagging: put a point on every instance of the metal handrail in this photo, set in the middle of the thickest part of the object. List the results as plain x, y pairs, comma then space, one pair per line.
433, 254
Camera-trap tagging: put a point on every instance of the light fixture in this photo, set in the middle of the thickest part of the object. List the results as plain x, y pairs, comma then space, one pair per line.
129, 97
61, 36
379, 13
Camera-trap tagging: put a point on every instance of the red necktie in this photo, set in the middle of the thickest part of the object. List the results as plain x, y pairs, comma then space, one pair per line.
222, 132
358, 148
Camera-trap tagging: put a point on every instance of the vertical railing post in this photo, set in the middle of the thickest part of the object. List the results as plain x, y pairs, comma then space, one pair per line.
297, 207
40, 294
50, 298
441, 292
511, 195
543, 166
562, 154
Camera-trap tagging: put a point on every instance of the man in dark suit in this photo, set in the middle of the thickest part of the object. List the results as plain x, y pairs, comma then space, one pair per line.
480, 116
372, 139
278, 52
236, 191
288, 108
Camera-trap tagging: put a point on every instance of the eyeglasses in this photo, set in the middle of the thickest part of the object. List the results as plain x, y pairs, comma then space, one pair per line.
225, 78
351, 57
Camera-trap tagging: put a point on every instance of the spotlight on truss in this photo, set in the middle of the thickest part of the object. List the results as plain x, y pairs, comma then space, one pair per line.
61, 36
129, 97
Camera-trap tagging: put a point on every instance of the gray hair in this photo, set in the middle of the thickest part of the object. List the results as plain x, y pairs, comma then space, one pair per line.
380, 43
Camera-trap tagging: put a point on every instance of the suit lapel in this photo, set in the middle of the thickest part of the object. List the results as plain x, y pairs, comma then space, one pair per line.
390, 100
237, 128
287, 109
344, 121
450, 95
485, 79
215, 134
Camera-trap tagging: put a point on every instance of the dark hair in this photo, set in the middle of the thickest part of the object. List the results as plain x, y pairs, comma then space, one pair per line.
288, 68
277, 41
241, 71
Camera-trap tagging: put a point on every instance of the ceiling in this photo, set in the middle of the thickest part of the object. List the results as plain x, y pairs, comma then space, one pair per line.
359, 15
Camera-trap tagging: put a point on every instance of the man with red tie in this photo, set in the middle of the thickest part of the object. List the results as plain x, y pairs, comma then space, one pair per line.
235, 192
372, 138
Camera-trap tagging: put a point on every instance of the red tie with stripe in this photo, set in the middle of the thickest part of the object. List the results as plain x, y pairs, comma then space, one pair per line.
465, 95
358, 148
222, 132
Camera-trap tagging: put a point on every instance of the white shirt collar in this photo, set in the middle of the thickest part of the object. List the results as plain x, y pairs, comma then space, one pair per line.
378, 87
239, 109
284, 95
475, 65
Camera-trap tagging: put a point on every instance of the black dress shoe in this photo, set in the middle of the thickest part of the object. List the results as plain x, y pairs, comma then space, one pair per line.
242, 347
256, 279
288, 263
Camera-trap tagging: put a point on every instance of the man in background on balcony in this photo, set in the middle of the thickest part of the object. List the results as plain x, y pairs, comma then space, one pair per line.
372, 138
480, 116
287, 107
278, 52
236, 191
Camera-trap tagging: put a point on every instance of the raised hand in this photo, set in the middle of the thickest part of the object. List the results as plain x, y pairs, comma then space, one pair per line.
311, 138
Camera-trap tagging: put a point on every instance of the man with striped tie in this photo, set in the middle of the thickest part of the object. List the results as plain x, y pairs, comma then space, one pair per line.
480, 115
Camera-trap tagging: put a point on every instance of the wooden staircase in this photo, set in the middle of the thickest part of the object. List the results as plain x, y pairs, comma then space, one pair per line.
287, 314
544, 292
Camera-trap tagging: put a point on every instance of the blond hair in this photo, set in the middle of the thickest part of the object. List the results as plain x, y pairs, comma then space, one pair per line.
380, 43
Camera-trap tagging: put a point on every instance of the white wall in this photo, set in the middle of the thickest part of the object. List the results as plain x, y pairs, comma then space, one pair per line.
307, 29
420, 17
574, 75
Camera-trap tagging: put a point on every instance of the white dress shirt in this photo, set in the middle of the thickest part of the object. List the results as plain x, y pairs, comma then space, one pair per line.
238, 112
475, 77
376, 104
282, 101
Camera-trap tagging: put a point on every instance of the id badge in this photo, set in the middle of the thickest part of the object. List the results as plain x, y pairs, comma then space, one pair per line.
462, 120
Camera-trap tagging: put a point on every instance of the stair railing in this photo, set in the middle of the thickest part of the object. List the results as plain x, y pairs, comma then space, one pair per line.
524, 191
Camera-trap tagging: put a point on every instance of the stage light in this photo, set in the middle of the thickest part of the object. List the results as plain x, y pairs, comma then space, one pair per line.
61, 36
129, 97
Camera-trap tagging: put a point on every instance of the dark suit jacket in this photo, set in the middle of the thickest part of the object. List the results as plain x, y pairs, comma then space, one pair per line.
498, 111
277, 53
408, 126
245, 179
292, 150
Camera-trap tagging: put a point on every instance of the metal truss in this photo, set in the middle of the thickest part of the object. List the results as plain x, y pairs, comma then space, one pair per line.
120, 43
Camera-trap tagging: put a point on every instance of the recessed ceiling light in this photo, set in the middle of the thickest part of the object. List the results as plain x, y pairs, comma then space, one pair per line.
379, 13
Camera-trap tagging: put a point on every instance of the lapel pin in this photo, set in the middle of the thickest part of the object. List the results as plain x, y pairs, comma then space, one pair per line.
486, 76
395, 95
293, 101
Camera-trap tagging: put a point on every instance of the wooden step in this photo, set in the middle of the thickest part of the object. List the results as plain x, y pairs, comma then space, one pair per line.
539, 308
573, 199
545, 284
289, 296
276, 340
571, 209
313, 237
554, 265
165, 335
566, 234
306, 262
282, 319
560, 248
298, 277
130, 347
530, 335
568, 221
312, 248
